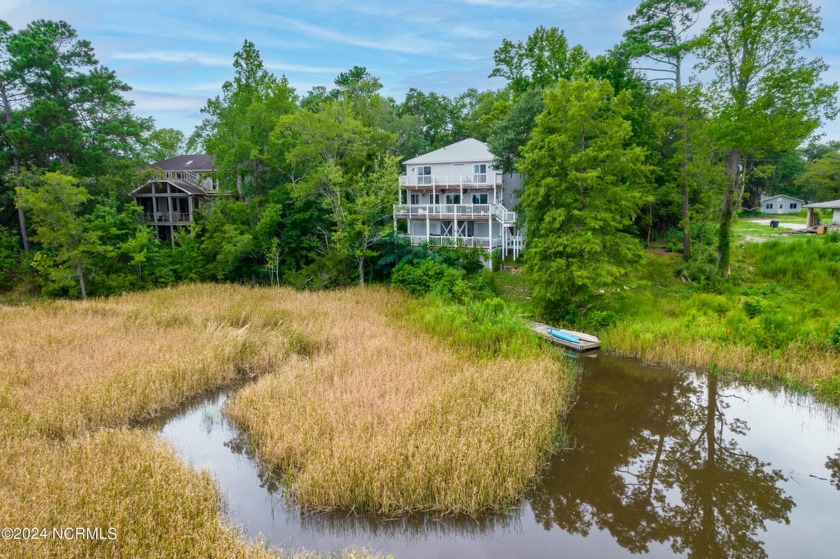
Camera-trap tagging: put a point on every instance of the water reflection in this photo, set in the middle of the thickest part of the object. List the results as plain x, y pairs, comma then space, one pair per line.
344, 525
662, 463
658, 460
833, 465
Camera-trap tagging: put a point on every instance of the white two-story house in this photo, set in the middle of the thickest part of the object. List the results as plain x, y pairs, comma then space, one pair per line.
453, 196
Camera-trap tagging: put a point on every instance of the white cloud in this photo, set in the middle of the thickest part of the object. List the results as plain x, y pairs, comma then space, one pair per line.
520, 4
211, 60
471, 32
406, 42
163, 102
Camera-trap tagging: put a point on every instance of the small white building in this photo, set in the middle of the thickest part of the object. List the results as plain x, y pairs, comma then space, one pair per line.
833, 205
781, 204
454, 196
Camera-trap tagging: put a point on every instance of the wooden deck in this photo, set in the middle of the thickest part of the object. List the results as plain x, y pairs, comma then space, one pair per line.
587, 342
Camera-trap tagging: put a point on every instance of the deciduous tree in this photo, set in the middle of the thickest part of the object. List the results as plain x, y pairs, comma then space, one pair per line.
765, 96
583, 189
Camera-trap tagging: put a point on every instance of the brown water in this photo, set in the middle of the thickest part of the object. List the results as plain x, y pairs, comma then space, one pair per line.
662, 464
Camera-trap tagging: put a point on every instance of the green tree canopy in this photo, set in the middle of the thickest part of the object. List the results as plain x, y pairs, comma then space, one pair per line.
765, 96
583, 189
540, 61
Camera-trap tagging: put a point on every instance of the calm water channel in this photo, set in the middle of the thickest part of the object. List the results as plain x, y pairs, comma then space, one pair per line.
662, 463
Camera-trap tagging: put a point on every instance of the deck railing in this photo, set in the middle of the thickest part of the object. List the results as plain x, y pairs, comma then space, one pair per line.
167, 217
449, 240
477, 180
467, 211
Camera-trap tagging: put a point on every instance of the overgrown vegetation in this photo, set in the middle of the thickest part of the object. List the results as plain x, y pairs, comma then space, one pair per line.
435, 407
776, 319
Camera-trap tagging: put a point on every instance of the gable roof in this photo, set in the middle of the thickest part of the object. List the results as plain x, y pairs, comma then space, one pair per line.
185, 187
197, 162
464, 151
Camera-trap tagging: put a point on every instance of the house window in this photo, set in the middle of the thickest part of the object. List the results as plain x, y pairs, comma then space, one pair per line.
480, 173
424, 175
435, 198
479, 198
768, 206
414, 199
793, 205
453, 198
471, 229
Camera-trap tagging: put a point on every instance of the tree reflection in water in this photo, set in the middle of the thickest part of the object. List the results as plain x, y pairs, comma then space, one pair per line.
833, 465
659, 461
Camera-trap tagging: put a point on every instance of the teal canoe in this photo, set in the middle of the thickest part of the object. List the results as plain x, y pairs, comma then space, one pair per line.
561, 335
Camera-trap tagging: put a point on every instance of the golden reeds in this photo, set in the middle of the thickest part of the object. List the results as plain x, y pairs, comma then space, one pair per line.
362, 412
811, 368
391, 420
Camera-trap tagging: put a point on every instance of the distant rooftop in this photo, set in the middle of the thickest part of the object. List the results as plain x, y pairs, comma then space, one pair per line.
465, 151
197, 162
832, 205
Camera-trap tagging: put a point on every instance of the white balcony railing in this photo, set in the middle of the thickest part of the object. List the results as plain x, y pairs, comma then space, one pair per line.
440, 240
479, 180
466, 211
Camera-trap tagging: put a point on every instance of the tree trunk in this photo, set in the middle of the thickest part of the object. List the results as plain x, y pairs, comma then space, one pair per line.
7, 110
24, 235
685, 218
80, 272
686, 224
733, 163
361, 262
707, 522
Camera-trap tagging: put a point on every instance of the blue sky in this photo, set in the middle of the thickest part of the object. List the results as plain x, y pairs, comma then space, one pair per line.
176, 54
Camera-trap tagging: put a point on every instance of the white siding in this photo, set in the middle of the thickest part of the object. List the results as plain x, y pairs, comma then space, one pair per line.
450, 172
780, 205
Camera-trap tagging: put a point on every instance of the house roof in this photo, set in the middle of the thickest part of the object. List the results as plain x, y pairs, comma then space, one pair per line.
831, 205
782, 196
184, 186
464, 151
197, 162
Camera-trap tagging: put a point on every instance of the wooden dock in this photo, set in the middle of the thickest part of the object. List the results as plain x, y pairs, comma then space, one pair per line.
587, 342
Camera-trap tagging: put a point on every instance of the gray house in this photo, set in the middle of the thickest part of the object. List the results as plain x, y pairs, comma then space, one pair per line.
454, 196
781, 204
169, 202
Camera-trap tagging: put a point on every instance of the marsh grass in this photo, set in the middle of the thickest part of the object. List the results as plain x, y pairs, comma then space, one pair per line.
369, 400
416, 406
75, 375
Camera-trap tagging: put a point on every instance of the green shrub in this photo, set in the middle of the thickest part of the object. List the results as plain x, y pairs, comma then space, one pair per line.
599, 320
427, 276
753, 307
834, 337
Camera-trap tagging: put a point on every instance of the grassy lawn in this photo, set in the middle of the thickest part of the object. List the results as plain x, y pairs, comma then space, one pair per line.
379, 411
512, 285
